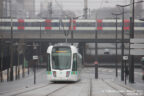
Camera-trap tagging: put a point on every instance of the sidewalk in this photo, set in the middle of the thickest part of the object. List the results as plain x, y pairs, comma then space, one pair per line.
111, 88
135, 86
23, 83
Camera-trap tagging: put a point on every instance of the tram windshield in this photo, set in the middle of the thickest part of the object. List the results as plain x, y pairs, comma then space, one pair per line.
61, 58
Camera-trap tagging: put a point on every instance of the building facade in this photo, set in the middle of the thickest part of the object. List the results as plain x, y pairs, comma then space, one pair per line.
17, 8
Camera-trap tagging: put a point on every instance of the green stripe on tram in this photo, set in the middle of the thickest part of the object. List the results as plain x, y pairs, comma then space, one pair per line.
49, 72
74, 72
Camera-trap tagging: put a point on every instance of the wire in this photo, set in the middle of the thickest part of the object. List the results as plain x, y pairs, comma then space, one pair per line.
61, 8
99, 7
66, 33
101, 4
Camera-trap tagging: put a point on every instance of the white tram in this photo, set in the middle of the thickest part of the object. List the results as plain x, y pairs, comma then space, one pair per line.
64, 63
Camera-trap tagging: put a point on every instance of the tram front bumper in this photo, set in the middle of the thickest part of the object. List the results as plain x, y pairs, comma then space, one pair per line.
70, 78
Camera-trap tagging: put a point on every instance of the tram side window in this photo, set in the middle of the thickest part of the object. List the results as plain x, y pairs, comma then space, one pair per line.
74, 62
48, 64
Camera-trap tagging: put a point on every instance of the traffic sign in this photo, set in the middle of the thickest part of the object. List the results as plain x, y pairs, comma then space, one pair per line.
137, 52
35, 57
137, 40
125, 57
137, 46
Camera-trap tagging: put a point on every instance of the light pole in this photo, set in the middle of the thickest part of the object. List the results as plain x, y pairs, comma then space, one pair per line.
116, 61
71, 28
40, 22
16, 69
1, 63
11, 57
1, 55
122, 42
96, 52
35, 58
131, 66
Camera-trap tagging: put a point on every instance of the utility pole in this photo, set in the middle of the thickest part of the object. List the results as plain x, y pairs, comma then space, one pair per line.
116, 58
40, 43
131, 65
116, 62
1, 63
71, 28
85, 9
35, 59
131, 69
122, 66
11, 57
122, 43
96, 52
1, 56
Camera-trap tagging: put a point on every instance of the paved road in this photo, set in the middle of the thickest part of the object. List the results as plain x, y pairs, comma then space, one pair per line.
106, 85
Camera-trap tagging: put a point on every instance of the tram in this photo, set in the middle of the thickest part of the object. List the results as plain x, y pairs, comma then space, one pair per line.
64, 63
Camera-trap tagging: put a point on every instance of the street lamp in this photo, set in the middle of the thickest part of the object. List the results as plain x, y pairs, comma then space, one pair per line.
1, 63
11, 57
35, 58
122, 51
96, 51
116, 65
40, 23
131, 76
66, 33
71, 25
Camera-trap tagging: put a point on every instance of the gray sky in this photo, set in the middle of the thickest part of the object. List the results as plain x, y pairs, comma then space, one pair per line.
75, 5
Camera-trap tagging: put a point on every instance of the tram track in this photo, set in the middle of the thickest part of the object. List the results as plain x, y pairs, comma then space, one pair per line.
90, 83
41, 87
56, 90
52, 88
116, 89
29, 90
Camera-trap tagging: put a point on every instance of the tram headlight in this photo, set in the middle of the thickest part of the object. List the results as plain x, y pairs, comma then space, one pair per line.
54, 73
67, 73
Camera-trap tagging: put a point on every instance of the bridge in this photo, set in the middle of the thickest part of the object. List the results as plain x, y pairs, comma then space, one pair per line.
79, 30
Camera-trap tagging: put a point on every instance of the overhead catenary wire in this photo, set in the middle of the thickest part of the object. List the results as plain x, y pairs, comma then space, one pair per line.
66, 33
